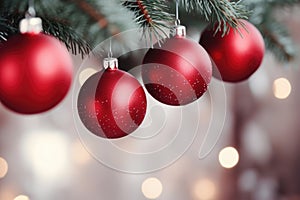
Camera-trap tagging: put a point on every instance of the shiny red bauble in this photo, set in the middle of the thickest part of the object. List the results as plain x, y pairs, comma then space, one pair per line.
35, 73
236, 55
111, 103
177, 72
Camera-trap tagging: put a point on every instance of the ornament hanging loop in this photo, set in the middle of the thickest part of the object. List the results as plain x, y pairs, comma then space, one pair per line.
178, 30
31, 24
177, 21
31, 11
110, 54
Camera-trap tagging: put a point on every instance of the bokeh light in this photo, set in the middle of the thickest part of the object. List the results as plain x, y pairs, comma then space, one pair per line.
228, 157
281, 88
85, 74
22, 197
3, 167
152, 188
46, 152
204, 189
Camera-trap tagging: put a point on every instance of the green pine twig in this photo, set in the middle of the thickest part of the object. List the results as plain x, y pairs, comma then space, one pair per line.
66, 34
276, 36
223, 12
277, 40
5, 29
54, 27
152, 15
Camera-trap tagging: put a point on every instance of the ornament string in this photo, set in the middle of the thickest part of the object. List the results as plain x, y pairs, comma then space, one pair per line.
110, 54
177, 21
31, 11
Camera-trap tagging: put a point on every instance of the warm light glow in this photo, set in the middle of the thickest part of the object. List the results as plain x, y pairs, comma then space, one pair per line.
7, 192
228, 157
281, 88
85, 74
47, 153
80, 154
21, 197
3, 167
152, 188
204, 189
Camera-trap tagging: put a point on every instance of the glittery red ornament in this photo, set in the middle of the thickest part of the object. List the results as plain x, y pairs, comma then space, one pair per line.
111, 103
177, 72
236, 55
35, 72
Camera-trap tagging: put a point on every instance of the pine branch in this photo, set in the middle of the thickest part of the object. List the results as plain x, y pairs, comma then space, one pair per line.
276, 36
77, 21
95, 14
5, 29
152, 15
60, 30
74, 21
225, 13
278, 41
13, 11
98, 19
91, 11
66, 34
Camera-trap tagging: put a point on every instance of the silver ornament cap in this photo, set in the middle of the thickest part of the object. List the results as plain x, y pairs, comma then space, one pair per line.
178, 30
31, 25
110, 63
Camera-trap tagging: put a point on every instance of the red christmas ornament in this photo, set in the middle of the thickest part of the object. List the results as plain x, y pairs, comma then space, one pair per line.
236, 55
177, 72
111, 103
35, 72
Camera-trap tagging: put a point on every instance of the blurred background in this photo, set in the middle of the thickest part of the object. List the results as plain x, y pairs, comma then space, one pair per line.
43, 157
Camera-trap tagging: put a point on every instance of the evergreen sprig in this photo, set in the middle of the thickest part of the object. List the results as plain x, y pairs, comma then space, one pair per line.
153, 16
5, 29
60, 30
66, 34
82, 24
98, 19
225, 13
76, 22
278, 41
276, 36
